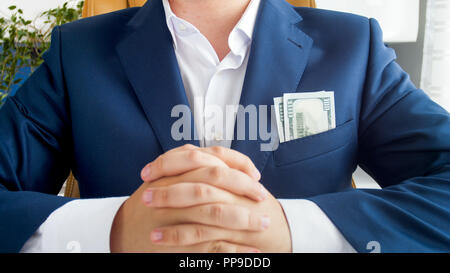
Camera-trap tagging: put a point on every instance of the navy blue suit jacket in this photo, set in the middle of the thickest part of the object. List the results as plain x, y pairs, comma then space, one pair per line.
100, 106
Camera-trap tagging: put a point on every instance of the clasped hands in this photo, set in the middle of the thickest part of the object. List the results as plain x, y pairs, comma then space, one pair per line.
200, 200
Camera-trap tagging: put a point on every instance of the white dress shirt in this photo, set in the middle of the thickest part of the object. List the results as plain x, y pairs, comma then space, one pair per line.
84, 225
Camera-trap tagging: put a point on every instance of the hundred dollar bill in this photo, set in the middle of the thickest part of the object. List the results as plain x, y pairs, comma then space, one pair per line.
279, 115
307, 114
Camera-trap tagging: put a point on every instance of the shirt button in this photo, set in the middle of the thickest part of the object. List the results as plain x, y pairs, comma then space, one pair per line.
218, 136
182, 27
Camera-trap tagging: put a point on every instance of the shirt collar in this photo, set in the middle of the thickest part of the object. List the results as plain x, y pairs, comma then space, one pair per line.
241, 36
239, 39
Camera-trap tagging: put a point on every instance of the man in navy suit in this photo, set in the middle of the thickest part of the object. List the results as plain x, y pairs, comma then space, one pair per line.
102, 105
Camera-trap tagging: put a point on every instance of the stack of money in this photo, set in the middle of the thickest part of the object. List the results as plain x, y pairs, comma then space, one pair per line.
303, 114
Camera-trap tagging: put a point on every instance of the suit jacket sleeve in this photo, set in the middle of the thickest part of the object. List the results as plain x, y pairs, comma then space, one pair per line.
34, 151
404, 144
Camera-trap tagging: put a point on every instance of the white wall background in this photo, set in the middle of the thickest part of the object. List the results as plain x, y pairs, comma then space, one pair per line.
32, 8
399, 19
436, 62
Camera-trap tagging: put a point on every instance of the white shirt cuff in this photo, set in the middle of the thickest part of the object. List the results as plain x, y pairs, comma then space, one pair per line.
311, 229
82, 225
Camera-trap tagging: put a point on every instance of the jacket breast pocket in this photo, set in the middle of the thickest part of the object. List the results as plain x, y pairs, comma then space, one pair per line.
314, 145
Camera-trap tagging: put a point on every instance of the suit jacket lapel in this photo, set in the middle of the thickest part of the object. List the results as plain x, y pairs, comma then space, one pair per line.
277, 60
149, 60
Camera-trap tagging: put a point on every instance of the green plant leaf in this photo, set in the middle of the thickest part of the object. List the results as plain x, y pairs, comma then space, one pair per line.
23, 44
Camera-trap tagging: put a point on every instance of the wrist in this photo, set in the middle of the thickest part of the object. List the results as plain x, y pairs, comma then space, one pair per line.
286, 247
117, 234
